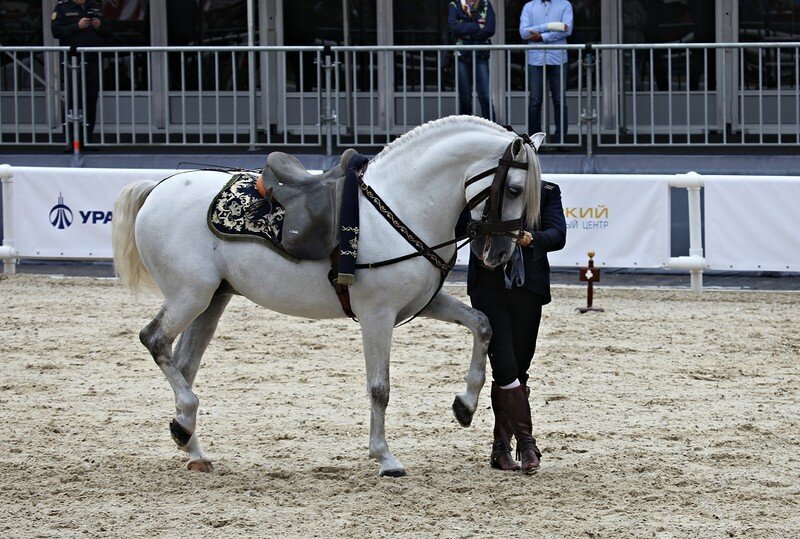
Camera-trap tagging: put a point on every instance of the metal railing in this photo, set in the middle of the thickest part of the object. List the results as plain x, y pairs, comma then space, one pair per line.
32, 95
698, 94
406, 86
657, 95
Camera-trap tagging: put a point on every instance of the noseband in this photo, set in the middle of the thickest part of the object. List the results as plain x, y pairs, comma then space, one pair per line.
491, 223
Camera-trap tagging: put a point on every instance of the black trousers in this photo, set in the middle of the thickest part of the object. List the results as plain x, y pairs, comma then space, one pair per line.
514, 316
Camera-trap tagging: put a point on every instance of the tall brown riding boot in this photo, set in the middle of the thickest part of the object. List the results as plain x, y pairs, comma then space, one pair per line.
518, 410
501, 458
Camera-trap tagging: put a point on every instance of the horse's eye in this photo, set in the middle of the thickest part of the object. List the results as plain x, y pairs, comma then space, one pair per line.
514, 191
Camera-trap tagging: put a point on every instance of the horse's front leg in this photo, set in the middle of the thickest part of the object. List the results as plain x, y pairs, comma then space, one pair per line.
376, 332
446, 308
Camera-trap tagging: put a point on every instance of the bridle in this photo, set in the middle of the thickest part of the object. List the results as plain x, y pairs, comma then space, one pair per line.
491, 223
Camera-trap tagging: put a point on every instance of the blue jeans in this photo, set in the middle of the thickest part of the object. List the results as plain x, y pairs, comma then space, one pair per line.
464, 68
557, 81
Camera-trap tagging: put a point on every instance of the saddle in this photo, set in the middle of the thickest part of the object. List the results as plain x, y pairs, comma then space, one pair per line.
310, 201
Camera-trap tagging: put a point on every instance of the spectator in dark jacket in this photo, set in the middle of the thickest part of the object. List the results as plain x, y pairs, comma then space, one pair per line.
472, 23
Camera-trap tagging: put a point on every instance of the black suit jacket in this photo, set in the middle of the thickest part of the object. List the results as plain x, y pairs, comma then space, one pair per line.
550, 234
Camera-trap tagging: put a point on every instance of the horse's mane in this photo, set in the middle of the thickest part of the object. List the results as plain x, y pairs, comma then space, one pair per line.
448, 121
532, 184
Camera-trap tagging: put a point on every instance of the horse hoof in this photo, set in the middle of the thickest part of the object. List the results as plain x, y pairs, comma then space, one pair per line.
462, 413
393, 473
200, 465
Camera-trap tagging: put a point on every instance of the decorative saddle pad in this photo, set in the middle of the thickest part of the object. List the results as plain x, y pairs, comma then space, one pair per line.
239, 213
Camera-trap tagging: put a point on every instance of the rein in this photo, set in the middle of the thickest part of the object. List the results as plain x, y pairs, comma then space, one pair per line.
489, 225
415, 241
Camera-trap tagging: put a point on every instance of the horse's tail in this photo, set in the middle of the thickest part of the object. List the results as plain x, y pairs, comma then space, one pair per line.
127, 262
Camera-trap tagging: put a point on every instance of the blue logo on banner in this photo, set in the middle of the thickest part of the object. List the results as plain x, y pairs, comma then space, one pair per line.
60, 214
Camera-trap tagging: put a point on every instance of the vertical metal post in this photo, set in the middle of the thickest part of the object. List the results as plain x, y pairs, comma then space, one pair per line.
329, 114
589, 115
75, 116
251, 73
348, 83
7, 251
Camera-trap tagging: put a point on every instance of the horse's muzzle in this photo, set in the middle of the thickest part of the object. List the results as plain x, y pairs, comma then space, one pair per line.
493, 251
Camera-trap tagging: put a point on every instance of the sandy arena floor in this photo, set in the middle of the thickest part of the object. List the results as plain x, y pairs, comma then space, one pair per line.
669, 415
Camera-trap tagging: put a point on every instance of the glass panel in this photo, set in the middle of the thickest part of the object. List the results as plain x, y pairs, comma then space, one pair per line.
321, 22
769, 21
675, 21
425, 24
183, 22
21, 24
129, 21
208, 23
586, 14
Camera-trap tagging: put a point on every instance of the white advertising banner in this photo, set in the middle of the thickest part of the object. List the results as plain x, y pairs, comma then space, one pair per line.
67, 212
624, 219
749, 223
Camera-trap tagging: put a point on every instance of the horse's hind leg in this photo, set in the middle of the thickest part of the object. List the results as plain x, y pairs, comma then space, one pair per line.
178, 312
446, 308
187, 356
195, 339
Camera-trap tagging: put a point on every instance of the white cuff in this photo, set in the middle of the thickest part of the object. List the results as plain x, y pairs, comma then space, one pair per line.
557, 26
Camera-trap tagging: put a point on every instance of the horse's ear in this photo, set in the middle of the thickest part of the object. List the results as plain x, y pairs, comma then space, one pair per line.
537, 140
517, 148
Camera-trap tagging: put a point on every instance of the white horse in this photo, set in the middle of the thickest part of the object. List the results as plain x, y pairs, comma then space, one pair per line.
161, 237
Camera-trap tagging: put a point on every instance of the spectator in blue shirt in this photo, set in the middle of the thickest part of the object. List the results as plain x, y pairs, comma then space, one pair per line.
472, 23
547, 22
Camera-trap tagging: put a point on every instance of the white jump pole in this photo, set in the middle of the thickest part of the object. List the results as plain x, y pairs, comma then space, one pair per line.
7, 251
695, 262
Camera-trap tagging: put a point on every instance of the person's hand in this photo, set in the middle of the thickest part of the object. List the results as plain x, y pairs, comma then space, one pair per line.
84, 23
533, 36
96, 23
525, 239
481, 21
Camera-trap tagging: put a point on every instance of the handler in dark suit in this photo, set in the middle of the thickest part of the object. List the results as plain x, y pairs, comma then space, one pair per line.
512, 297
